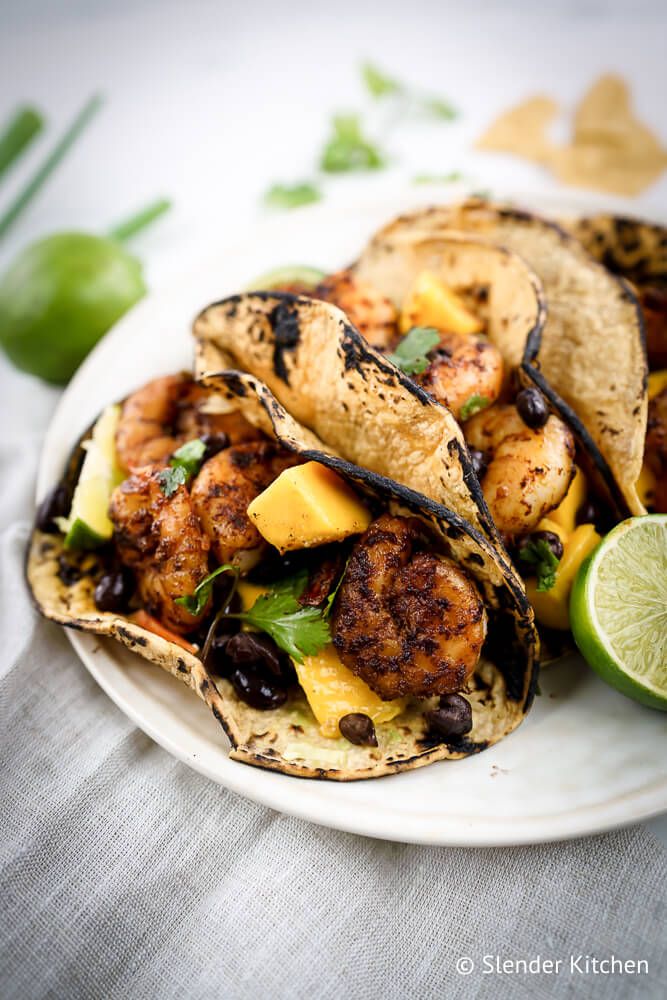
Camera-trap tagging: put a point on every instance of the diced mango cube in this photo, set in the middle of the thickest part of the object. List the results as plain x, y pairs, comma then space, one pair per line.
657, 381
249, 592
552, 606
566, 513
308, 505
431, 303
334, 691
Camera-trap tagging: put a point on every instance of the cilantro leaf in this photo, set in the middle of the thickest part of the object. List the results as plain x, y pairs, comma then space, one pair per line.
439, 108
450, 178
297, 630
328, 607
410, 354
537, 553
195, 602
292, 195
377, 82
183, 465
348, 149
473, 405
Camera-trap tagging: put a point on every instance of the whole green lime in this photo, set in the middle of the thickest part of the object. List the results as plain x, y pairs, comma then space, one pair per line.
60, 296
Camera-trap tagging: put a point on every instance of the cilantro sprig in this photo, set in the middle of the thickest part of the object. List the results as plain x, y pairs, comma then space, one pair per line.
348, 148
183, 465
380, 85
292, 195
410, 354
474, 404
195, 602
536, 552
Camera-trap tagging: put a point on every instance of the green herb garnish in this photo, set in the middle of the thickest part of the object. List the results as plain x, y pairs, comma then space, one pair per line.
348, 148
183, 465
292, 195
195, 602
410, 354
297, 630
377, 82
537, 553
473, 405
450, 178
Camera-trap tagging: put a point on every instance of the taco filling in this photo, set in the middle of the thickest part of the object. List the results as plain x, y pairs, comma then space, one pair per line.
320, 612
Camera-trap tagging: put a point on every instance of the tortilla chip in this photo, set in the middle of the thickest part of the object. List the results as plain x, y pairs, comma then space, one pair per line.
288, 739
591, 362
522, 130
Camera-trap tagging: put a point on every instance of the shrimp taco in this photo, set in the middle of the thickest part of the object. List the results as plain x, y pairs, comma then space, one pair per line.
637, 251
338, 624
593, 389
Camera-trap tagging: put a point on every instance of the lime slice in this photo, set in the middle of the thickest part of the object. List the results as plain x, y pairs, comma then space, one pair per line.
291, 274
88, 525
618, 609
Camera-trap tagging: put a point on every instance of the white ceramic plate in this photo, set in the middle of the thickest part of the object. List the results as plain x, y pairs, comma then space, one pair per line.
585, 760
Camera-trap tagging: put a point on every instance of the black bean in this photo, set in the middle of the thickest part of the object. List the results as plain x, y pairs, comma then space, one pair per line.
479, 462
214, 443
260, 651
588, 513
114, 590
532, 408
452, 718
55, 504
549, 537
255, 690
358, 729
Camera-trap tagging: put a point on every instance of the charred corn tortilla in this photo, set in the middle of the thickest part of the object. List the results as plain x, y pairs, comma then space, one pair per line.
590, 360
288, 739
510, 296
632, 248
350, 397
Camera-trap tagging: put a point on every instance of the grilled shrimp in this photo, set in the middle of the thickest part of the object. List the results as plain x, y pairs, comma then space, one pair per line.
528, 472
164, 414
224, 488
407, 622
463, 367
161, 539
373, 315
656, 448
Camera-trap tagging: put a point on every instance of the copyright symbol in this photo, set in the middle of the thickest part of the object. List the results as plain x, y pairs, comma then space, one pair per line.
464, 965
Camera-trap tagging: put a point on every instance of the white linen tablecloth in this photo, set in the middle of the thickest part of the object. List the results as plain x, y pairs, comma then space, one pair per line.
122, 872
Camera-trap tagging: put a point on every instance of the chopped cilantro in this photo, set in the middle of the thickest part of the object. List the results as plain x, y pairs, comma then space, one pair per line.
195, 602
450, 178
292, 195
183, 465
410, 353
348, 149
377, 82
537, 553
473, 405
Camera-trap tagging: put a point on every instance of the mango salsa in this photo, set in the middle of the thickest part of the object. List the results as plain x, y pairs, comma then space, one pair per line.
334, 691
431, 303
566, 513
551, 606
308, 505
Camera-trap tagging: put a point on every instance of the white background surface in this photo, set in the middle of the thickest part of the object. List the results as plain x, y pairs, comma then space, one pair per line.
211, 103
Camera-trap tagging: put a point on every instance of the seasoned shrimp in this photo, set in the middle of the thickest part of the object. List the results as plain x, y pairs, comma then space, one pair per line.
224, 488
161, 539
528, 472
407, 622
373, 315
164, 414
463, 367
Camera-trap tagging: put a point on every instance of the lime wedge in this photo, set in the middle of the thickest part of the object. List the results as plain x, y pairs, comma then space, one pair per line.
88, 525
291, 274
618, 609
